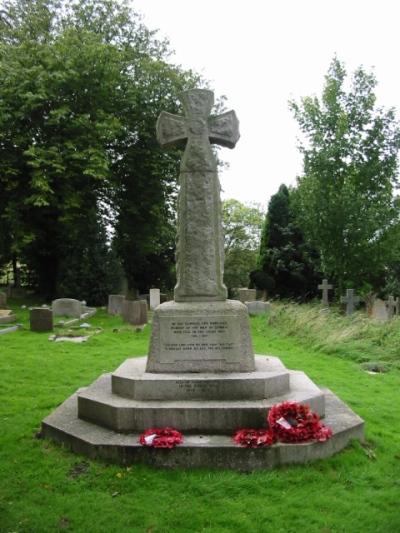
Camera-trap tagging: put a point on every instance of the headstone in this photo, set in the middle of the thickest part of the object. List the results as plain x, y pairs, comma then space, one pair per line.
247, 295
351, 300
67, 307
391, 306
132, 312
379, 310
200, 331
143, 311
258, 307
41, 319
3, 300
115, 302
154, 298
325, 287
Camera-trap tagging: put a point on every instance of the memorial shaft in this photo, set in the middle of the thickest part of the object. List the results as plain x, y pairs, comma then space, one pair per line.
200, 252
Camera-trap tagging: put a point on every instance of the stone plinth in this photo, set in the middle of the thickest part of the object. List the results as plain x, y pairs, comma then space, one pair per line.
201, 337
269, 379
41, 319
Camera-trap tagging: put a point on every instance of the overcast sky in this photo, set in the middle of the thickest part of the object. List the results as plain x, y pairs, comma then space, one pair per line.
261, 53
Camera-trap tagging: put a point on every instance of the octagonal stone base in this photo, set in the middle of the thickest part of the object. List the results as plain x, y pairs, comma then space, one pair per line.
100, 422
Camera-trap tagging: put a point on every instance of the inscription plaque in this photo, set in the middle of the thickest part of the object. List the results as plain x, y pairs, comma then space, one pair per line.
198, 337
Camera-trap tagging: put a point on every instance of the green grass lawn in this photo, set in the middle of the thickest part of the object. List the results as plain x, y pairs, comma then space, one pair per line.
44, 488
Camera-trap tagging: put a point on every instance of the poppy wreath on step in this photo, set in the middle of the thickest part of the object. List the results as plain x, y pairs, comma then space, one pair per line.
254, 438
294, 422
161, 437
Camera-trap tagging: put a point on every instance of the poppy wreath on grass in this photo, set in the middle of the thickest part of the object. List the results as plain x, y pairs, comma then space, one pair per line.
161, 438
288, 422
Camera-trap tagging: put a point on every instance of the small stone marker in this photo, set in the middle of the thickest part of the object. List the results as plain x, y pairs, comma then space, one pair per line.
379, 310
325, 287
247, 295
391, 306
133, 312
3, 300
41, 319
351, 299
258, 307
115, 302
67, 307
154, 298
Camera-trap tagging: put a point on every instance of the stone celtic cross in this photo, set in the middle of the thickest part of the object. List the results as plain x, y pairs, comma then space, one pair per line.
325, 287
200, 252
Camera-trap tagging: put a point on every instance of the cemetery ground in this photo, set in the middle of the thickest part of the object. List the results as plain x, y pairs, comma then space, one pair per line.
46, 488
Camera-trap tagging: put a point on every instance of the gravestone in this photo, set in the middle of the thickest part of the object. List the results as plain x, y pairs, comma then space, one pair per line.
201, 375
154, 298
143, 311
67, 307
3, 300
132, 312
391, 306
41, 319
351, 300
258, 307
115, 302
325, 287
7, 316
379, 310
247, 295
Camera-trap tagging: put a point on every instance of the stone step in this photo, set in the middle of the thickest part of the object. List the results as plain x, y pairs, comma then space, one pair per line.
270, 379
98, 404
198, 450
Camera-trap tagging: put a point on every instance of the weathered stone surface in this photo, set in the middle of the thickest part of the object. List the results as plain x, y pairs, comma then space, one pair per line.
67, 307
115, 302
154, 298
351, 300
201, 337
199, 450
41, 319
258, 307
134, 312
3, 300
200, 240
247, 295
269, 379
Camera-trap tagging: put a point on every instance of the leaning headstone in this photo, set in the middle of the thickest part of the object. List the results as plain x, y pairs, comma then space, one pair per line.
132, 312
258, 307
325, 287
379, 310
67, 307
3, 300
351, 300
41, 319
115, 302
247, 295
154, 298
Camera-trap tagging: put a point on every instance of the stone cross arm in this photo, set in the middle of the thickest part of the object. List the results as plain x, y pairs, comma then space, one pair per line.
219, 129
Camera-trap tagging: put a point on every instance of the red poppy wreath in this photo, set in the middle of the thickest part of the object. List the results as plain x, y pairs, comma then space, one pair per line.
161, 437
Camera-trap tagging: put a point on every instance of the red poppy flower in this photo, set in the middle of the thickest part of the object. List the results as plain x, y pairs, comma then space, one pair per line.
161, 437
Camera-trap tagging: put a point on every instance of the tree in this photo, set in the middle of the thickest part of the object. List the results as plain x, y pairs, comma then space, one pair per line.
242, 228
287, 265
81, 84
344, 199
